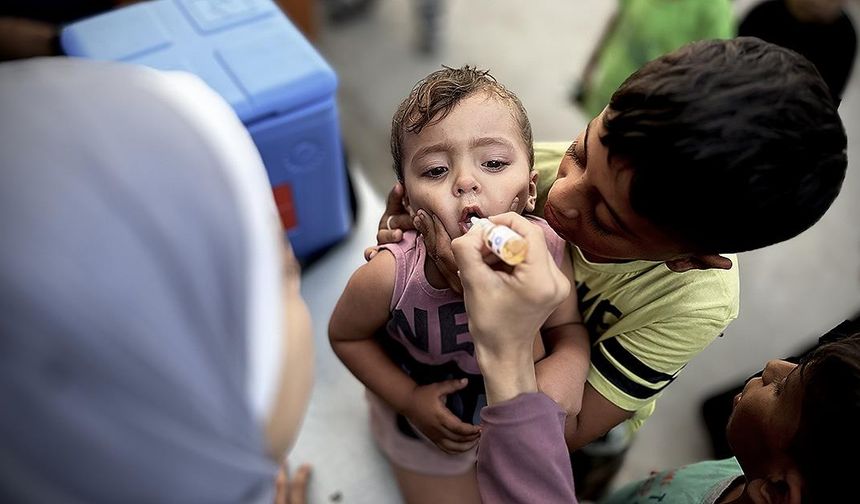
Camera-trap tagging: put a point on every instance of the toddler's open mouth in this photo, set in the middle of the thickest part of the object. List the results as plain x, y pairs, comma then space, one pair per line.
466, 217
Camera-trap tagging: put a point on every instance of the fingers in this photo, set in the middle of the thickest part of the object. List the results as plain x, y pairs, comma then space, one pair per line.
295, 490
448, 386
384, 236
394, 201
456, 429
459, 430
427, 228
469, 251
459, 436
298, 486
394, 220
370, 252
395, 216
518, 223
402, 221
537, 250
438, 244
281, 485
452, 447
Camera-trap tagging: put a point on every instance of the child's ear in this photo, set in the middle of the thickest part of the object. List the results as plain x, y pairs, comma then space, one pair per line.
770, 490
532, 200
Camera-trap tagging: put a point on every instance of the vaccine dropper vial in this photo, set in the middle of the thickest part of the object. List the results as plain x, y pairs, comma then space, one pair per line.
503, 241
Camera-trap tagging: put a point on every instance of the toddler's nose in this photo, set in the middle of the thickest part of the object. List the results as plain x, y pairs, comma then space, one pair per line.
463, 190
466, 185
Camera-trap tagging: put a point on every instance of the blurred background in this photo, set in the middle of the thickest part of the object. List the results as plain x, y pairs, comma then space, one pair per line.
790, 293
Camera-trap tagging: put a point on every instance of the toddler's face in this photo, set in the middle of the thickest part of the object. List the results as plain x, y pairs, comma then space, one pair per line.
472, 162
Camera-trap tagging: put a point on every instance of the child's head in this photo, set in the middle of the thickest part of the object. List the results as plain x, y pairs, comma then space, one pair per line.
795, 429
720, 146
462, 146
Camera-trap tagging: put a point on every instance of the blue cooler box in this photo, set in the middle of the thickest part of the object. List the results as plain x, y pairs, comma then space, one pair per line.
279, 86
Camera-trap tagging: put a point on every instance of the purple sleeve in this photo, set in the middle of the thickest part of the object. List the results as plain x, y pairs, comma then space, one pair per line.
522, 456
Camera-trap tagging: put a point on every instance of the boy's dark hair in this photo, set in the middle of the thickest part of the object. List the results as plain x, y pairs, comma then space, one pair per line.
735, 144
433, 97
828, 435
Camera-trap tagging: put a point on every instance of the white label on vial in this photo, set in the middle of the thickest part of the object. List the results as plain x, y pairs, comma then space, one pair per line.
498, 236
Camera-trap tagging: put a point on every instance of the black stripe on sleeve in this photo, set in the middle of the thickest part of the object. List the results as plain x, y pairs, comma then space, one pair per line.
622, 382
632, 363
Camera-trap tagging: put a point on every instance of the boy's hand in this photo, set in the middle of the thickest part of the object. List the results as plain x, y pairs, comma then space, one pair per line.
437, 241
397, 219
393, 223
427, 412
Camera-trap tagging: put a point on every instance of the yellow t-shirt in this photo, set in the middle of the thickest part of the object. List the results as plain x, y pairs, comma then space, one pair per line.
645, 321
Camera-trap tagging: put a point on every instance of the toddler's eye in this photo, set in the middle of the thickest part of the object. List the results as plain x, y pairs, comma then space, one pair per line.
436, 172
494, 165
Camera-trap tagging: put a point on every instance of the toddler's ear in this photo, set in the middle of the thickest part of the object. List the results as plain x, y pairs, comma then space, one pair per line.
532, 199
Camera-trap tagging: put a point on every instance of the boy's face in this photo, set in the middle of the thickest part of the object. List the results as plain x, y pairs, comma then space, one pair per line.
765, 418
589, 205
473, 162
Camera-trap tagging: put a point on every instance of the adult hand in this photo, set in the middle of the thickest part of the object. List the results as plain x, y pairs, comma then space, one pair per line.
437, 242
507, 307
427, 412
295, 490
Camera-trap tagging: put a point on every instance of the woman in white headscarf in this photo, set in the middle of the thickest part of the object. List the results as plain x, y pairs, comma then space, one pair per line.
153, 343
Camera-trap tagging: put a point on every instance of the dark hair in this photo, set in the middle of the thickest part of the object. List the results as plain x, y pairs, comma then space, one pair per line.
735, 144
828, 435
433, 97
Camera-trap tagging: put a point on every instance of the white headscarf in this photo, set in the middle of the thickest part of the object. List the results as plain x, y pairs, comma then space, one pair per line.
139, 289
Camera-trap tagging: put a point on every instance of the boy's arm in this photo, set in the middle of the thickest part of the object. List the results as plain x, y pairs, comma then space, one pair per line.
562, 373
362, 309
597, 417
630, 370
